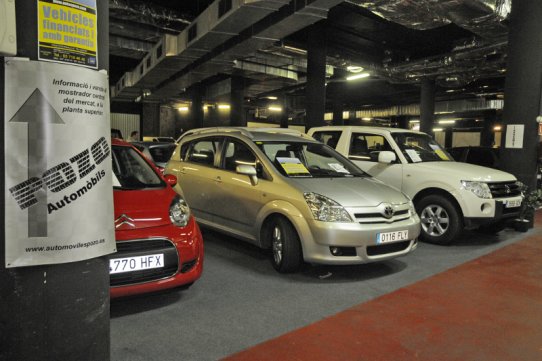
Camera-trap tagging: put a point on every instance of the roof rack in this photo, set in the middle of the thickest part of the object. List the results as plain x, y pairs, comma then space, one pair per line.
243, 130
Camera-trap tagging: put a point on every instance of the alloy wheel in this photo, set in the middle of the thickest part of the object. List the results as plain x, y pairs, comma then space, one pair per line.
277, 244
435, 220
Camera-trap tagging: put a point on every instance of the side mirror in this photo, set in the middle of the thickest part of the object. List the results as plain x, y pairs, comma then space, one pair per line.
386, 157
249, 170
170, 179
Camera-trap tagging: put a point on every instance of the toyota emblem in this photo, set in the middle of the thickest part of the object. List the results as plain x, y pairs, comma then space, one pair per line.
388, 212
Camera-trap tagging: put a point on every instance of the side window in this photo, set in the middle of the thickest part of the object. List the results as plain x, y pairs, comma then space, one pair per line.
237, 153
330, 138
367, 146
202, 151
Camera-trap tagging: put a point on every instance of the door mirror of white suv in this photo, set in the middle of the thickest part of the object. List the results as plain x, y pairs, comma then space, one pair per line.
249, 170
386, 157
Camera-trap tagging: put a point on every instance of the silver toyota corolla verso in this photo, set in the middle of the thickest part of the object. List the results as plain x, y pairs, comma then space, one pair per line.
284, 191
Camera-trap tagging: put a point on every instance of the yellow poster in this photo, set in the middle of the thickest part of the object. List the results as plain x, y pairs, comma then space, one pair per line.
68, 32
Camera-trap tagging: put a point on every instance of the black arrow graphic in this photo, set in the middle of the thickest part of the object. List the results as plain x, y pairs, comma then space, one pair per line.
40, 116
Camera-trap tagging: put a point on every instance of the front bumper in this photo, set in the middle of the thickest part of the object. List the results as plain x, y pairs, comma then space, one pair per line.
501, 213
183, 252
359, 239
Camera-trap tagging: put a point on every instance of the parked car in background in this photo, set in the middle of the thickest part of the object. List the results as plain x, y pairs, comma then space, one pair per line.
448, 195
159, 139
159, 244
116, 133
286, 192
157, 152
484, 156
488, 157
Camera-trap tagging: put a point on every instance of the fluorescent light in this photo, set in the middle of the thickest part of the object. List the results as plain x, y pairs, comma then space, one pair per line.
295, 50
367, 119
446, 121
497, 128
414, 121
224, 106
272, 97
274, 109
183, 109
358, 76
354, 69
437, 129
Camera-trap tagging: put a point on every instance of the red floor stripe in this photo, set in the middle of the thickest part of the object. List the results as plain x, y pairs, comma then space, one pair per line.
486, 309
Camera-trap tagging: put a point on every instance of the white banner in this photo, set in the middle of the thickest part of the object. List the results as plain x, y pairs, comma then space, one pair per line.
58, 183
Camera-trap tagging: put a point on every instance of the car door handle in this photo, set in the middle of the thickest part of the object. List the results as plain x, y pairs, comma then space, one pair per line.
218, 180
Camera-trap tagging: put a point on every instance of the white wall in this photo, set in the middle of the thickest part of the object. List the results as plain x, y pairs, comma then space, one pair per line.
127, 123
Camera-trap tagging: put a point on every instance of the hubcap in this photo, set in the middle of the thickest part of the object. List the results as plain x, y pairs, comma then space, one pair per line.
435, 220
277, 245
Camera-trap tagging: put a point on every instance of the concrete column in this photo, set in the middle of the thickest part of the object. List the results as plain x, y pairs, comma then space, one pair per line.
522, 92
196, 108
335, 91
237, 102
402, 122
167, 121
57, 311
315, 92
150, 120
487, 135
427, 105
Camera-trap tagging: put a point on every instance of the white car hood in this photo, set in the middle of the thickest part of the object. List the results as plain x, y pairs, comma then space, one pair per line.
463, 171
352, 192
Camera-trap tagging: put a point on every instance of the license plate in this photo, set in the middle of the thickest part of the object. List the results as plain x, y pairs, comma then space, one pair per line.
131, 264
391, 237
512, 203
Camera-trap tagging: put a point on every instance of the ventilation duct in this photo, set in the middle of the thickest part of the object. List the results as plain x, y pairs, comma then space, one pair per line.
209, 61
465, 105
482, 17
456, 69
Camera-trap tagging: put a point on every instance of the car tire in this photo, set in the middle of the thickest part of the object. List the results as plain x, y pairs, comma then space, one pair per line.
441, 221
286, 254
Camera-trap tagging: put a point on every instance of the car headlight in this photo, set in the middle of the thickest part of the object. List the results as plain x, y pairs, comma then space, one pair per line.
179, 212
481, 189
325, 209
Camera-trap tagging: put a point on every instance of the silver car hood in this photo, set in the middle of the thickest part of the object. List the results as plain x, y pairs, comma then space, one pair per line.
352, 192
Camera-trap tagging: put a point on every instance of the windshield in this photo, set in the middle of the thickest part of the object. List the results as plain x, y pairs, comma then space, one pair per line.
131, 171
297, 159
420, 148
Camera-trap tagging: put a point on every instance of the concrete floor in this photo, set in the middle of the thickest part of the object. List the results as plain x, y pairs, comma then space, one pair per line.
241, 301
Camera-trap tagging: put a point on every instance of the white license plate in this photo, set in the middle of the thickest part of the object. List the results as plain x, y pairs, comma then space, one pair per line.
512, 203
131, 264
391, 237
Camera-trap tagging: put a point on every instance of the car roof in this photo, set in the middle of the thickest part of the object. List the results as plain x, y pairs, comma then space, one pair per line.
368, 128
254, 134
151, 144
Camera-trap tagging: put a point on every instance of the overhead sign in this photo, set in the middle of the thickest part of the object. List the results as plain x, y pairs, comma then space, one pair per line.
514, 136
59, 192
68, 32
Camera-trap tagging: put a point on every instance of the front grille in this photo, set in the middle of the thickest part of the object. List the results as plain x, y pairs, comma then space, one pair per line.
142, 248
504, 189
381, 249
376, 218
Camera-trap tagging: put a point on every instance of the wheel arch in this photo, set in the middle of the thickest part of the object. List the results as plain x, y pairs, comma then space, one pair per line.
441, 192
285, 210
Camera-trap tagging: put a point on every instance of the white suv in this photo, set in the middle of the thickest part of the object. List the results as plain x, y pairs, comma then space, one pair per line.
448, 195
284, 191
